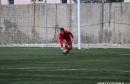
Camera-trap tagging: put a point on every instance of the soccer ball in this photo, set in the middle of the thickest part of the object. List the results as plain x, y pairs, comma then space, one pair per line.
64, 50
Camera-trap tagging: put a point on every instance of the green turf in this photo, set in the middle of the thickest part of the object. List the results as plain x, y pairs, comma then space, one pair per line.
49, 66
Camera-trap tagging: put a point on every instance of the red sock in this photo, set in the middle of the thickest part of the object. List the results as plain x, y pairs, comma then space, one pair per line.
66, 47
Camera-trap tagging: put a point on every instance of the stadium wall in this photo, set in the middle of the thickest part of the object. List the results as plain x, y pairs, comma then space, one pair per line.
106, 24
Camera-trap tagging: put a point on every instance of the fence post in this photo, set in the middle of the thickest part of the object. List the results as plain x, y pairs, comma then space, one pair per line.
56, 23
70, 14
114, 26
33, 28
46, 19
0, 14
102, 23
79, 33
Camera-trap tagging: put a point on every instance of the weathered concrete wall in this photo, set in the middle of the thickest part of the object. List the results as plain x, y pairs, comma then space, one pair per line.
17, 23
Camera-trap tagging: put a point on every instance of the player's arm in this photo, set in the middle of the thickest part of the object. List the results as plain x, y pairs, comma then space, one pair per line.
72, 36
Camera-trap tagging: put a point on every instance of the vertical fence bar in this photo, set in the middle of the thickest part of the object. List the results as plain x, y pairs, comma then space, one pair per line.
0, 13
33, 28
102, 22
70, 14
114, 27
56, 22
46, 38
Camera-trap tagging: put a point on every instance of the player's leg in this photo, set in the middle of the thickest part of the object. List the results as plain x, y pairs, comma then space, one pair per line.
69, 42
66, 44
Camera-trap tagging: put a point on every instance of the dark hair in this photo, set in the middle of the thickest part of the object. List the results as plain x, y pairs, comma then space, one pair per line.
61, 29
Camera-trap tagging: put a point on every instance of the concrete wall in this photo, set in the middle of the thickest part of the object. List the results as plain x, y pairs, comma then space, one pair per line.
111, 22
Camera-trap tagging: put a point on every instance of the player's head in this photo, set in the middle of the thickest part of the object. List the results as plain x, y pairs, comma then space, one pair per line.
62, 30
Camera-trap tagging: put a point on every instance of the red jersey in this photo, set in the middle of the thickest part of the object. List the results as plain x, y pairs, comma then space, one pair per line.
67, 35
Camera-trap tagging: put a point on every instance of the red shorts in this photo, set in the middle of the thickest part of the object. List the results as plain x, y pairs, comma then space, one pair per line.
68, 40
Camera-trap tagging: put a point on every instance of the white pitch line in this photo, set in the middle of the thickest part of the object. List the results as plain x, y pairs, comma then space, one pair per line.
124, 54
47, 69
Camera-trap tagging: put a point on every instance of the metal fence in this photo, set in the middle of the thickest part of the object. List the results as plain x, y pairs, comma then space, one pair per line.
100, 23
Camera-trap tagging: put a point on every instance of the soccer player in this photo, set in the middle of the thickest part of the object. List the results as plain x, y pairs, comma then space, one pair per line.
65, 39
